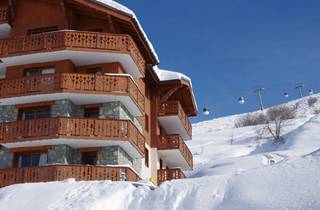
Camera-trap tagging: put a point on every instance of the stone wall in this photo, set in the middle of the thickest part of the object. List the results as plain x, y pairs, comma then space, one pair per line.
8, 113
137, 164
115, 110
66, 108
6, 158
63, 154
115, 155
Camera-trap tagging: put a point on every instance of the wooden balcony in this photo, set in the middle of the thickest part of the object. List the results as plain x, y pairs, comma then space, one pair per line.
174, 120
61, 172
170, 174
76, 132
100, 44
101, 87
4, 15
174, 146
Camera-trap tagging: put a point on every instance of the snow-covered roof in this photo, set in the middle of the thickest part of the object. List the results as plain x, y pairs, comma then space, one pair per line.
116, 6
166, 75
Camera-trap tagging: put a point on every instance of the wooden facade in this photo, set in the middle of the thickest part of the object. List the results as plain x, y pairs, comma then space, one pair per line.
79, 40
72, 83
94, 65
62, 172
175, 142
174, 108
71, 128
170, 174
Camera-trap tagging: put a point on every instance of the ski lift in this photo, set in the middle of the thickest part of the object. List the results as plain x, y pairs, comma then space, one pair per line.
311, 91
206, 111
286, 95
241, 100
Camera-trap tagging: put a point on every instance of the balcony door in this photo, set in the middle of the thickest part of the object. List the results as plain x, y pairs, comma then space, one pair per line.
39, 71
92, 112
89, 158
37, 31
33, 113
23, 160
36, 83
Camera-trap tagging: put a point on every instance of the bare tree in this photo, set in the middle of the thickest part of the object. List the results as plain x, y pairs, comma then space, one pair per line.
277, 118
250, 120
312, 101
316, 111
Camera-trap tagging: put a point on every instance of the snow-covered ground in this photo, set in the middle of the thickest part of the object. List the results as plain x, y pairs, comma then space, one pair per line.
233, 170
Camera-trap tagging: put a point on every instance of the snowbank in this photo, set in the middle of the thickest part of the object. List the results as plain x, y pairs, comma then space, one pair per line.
289, 185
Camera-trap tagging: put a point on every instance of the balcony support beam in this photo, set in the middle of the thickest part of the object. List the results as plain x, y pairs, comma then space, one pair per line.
169, 93
12, 6
111, 23
65, 15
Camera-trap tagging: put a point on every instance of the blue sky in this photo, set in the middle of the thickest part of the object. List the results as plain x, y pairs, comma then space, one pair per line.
229, 47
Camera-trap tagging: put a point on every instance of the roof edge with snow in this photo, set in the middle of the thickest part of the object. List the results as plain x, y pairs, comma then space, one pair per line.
167, 75
121, 8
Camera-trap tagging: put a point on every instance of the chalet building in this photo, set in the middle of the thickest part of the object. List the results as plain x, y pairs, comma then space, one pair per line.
81, 96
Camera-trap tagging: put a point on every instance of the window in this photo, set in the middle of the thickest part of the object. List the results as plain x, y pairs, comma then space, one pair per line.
42, 30
97, 70
31, 159
147, 122
34, 113
161, 163
146, 159
96, 30
89, 158
39, 71
91, 112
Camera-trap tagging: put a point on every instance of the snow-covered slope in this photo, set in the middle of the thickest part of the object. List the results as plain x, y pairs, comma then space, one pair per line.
233, 170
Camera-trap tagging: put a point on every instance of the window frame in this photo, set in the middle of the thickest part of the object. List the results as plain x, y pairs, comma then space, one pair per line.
31, 155
34, 110
89, 153
94, 70
37, 31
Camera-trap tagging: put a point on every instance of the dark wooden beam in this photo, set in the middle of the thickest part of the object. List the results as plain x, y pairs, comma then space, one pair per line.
111, 23
65, 15
12, 7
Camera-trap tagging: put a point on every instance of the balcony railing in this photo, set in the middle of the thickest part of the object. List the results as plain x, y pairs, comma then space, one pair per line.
72, 128
62, 172
169, 142
68, 82
4, 15
171, 108
73, 40
170, 174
